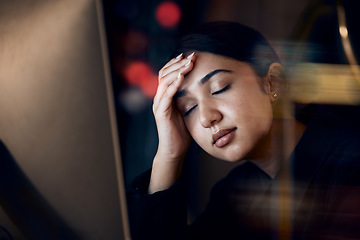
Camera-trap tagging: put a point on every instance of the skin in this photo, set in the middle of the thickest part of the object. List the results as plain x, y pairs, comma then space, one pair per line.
217, 94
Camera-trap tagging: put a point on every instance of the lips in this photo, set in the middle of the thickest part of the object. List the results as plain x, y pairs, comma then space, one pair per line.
223, 137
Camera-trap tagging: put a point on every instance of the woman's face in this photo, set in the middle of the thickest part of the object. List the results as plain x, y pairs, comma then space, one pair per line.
224, 108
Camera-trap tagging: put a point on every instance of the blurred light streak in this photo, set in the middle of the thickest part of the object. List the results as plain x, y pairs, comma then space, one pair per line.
343, 31
168, 14
284, 175
345, 40
324, 84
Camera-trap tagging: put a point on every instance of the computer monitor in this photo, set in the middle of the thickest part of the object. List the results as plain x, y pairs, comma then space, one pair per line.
62, 173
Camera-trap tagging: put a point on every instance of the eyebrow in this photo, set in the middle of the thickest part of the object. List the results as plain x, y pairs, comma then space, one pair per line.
203, 80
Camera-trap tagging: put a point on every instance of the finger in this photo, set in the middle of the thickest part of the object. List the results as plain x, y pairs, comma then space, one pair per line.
159, 92
176, 59
174, 87
172, 61
159, 96
165, 104
170, 79
172, 68
163, 85
187, 67
176, 65
175, 79
164, 99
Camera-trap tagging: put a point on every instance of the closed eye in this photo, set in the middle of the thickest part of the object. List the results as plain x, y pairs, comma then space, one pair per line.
189, 111
221, 90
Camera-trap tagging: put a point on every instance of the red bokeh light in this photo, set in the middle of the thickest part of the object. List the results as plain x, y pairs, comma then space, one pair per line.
140, 74
168, 14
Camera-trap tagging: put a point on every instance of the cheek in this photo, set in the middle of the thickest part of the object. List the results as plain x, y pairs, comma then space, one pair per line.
198, 133
256, 120
251, 104
253, 120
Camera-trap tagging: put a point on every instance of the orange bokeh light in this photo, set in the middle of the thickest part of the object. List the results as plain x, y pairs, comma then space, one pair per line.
168, 14
140, 74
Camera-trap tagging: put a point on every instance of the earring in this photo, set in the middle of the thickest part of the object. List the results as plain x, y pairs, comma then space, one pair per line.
275, 95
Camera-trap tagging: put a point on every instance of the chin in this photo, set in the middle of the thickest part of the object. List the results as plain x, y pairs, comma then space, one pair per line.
239, 152
231, 153
233, 159
233, 156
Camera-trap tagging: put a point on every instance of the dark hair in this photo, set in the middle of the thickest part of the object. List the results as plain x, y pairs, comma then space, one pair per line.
230, 39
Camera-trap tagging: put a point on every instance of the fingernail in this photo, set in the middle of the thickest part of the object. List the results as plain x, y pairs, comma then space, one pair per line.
179, 75
191, 55
187, 63
179, 56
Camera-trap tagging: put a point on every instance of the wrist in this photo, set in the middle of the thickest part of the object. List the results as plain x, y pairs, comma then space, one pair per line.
164, 173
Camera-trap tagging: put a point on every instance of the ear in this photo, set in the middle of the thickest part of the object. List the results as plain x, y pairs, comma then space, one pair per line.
274, 81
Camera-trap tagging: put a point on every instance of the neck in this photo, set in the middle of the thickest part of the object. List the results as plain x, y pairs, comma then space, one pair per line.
282, 139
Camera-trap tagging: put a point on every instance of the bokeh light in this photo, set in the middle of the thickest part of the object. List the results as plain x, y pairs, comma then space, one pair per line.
140, 74
168, 14
135, 42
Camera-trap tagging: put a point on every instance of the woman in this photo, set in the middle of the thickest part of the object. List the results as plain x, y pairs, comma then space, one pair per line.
224, 89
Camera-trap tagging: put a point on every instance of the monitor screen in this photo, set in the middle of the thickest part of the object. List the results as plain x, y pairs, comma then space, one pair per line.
60, 155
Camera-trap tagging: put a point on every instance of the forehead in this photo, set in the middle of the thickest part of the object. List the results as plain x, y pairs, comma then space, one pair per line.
208, 62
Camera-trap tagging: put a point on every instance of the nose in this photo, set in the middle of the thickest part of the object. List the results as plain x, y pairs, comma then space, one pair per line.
209, 115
